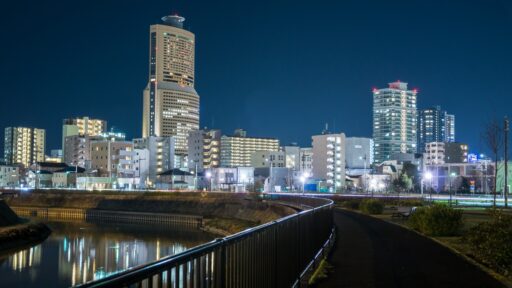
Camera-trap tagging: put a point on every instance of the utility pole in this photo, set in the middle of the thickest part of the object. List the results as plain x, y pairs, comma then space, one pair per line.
506, 126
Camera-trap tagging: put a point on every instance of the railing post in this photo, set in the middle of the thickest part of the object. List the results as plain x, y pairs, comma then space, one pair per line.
220, 265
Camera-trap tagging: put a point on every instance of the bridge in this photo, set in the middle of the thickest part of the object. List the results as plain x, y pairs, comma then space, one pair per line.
281, 253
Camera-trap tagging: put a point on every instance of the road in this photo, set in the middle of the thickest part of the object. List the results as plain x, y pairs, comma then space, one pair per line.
372, 253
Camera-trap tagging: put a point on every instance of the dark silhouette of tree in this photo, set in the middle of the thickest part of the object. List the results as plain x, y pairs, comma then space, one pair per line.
493, 135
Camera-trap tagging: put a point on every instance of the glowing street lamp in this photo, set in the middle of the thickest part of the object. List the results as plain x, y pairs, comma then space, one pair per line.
209, 177
303, 179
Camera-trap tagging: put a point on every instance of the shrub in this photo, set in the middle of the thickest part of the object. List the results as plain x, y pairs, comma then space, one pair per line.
371, 206
492, 241
436, 220
351, 204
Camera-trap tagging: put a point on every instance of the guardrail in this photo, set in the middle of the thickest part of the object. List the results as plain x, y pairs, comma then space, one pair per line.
274, 254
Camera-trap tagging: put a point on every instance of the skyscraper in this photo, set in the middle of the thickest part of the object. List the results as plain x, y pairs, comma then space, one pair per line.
24, 145
394, 121
450, 128
171, 103
431, 126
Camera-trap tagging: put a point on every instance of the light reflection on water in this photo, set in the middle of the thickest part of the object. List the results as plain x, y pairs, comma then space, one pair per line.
77, 252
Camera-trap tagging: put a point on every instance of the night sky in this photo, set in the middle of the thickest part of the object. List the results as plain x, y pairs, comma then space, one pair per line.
275, 68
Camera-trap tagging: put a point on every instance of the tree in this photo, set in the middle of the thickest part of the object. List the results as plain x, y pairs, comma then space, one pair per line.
412, 172
493, 135
402, 183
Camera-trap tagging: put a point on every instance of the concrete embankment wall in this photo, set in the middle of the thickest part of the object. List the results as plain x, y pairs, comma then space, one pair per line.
151, 206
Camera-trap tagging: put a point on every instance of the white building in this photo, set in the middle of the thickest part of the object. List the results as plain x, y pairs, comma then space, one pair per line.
434, 153
261, 159
204, 149
161, 155
306, 160
329, 160
358, 155
9, 175
230, 179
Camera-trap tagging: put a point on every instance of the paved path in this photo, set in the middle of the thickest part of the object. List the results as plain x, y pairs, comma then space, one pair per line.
372, 253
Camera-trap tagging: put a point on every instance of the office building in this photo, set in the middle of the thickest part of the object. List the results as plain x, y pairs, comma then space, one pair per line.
23, 145
358, 155
204, 149
450, 128
236, 150
456, 152
161, 155
394, 121
329, 160
171, 103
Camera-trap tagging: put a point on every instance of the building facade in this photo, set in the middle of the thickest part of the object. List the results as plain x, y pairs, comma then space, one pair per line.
329, 160
394, 121
170, 101
161, 155
204, 149
262, 159
358, 153
23, 145
82, 126
292, 154
106, 156
431, 126
450, 128
434, 153
306, 160
236, 150
456, 152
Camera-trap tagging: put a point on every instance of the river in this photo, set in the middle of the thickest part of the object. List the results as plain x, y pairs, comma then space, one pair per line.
78, 252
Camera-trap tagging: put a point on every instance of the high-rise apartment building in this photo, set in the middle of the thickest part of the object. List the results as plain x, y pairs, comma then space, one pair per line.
329, 160
23, 145
81, 126
431, 127
171, 103
204, 149
394, 121
236, 150
450, 128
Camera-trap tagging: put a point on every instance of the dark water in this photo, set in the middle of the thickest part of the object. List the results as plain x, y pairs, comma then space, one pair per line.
77, 252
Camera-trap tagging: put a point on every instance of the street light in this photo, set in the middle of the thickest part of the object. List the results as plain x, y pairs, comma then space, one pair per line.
303, 179
428, 177
452, 174
209, 177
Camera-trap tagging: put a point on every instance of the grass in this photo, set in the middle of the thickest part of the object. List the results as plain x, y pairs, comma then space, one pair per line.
322, 272
230, 225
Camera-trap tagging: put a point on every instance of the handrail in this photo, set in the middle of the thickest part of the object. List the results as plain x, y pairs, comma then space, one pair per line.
234, 261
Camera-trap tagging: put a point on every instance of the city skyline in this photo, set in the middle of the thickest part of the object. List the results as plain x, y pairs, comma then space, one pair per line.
256, 96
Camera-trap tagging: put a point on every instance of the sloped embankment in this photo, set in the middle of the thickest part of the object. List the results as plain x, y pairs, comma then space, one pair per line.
15, 233
237, 211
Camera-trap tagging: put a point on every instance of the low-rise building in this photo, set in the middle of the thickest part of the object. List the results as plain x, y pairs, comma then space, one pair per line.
456, 152
161, 155
434, 153
9, 175
261, 159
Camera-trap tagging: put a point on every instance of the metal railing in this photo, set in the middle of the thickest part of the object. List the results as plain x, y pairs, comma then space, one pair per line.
274, 254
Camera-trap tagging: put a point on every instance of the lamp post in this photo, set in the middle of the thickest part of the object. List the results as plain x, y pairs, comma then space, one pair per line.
270, 174
209, 177
452, 174
428, 177
303, 179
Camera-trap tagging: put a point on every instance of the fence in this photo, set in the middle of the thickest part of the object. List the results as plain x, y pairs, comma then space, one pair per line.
275, 254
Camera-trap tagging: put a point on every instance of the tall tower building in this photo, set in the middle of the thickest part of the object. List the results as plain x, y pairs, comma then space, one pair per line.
431, 127
450, 128
24, 145
171, 103
394, 121
329, 160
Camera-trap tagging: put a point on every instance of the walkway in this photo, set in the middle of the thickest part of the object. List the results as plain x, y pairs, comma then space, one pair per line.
372, 253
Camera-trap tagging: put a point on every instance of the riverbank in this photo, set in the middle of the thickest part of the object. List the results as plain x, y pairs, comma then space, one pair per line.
22, 235
222, 213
